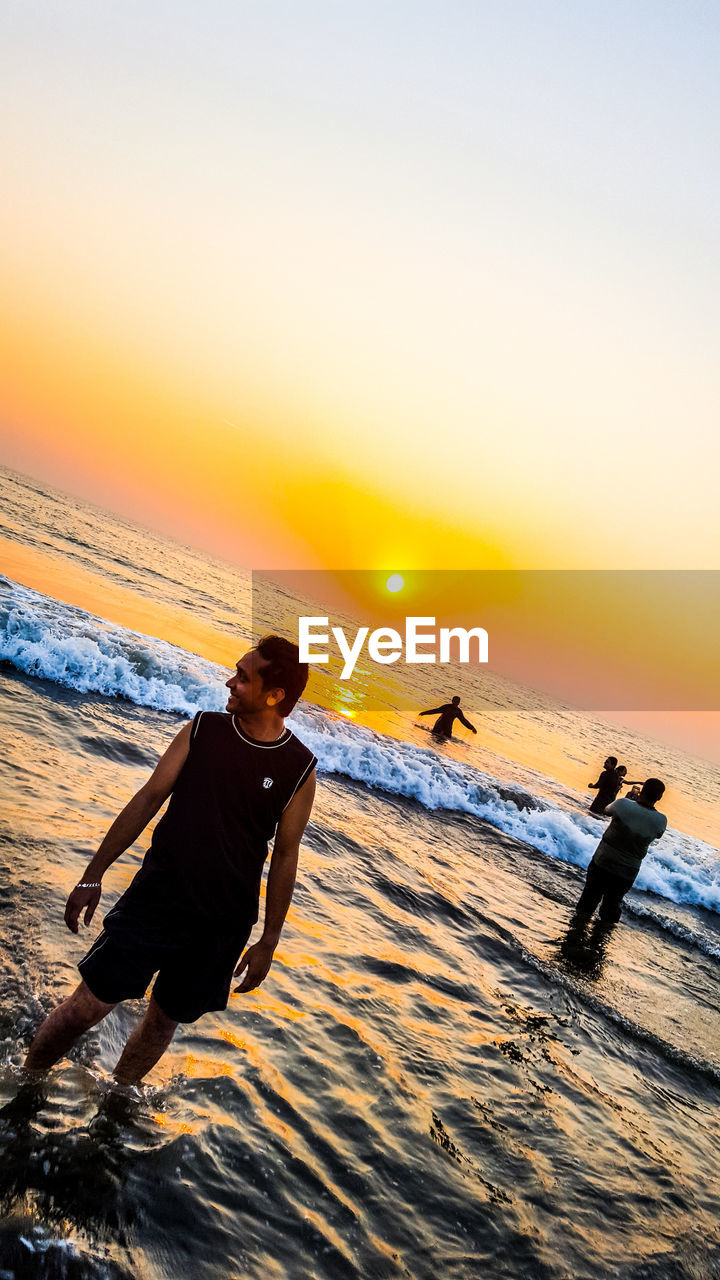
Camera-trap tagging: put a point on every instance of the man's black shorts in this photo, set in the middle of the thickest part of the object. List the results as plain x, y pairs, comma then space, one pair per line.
142, 936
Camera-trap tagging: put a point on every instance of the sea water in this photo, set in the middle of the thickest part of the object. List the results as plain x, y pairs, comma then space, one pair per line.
441, 1075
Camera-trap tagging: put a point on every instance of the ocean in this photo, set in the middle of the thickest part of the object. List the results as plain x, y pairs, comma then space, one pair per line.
441, 1076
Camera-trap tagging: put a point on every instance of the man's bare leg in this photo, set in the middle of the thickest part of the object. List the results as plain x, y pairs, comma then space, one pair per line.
64, 1026
146, 1045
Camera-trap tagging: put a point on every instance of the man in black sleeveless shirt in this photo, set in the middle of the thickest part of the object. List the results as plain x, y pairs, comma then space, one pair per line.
234, 781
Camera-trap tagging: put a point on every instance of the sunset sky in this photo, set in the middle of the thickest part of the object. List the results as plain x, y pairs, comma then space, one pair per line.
360, 285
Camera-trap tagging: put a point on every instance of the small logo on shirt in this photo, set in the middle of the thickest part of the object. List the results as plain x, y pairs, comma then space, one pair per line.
267, 782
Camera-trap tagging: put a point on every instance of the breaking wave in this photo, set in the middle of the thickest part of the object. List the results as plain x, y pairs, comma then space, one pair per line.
59, 642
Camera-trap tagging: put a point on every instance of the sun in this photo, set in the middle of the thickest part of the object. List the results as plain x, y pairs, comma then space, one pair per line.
395, 582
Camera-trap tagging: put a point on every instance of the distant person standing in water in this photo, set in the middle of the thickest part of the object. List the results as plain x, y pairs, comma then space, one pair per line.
235, 781
616, 861
607, 786
447, 714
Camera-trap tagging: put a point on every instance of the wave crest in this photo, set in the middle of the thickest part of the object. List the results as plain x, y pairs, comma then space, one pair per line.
60, 642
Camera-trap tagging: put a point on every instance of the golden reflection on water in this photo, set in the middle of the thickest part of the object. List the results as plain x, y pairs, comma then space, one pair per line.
332, 975
176, 1127
231, 1038
313, 929
387, 704
265, 1002
203, 1067
304, 959
74, 585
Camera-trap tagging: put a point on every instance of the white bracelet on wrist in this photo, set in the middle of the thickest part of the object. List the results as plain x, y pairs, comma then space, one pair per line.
96, 884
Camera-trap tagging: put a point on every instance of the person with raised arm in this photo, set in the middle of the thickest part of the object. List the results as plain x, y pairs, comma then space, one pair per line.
447, 714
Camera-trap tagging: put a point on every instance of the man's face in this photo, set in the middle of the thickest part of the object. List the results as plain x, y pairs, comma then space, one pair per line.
247, 692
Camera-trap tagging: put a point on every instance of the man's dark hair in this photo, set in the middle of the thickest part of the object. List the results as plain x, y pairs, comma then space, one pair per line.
612, 761
652, 789
284, 670
456, 698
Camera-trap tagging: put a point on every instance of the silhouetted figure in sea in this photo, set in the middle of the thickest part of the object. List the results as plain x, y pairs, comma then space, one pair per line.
447, 714
607, 786
617, 859
613, 777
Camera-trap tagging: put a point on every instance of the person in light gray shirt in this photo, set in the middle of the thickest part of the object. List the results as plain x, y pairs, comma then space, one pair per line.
617, 859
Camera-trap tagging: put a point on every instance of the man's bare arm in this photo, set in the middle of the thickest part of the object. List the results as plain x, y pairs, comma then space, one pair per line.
128, 825
281, 882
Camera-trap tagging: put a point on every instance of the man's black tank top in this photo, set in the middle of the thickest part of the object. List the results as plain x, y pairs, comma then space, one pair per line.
212, 841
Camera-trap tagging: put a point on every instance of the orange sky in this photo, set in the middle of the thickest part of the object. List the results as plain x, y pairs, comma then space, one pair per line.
304, 310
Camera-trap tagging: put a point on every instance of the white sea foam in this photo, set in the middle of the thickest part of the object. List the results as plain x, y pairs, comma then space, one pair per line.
682, 869
59, 642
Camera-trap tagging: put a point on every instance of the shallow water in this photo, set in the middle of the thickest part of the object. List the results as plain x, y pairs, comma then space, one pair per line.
438, 1076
